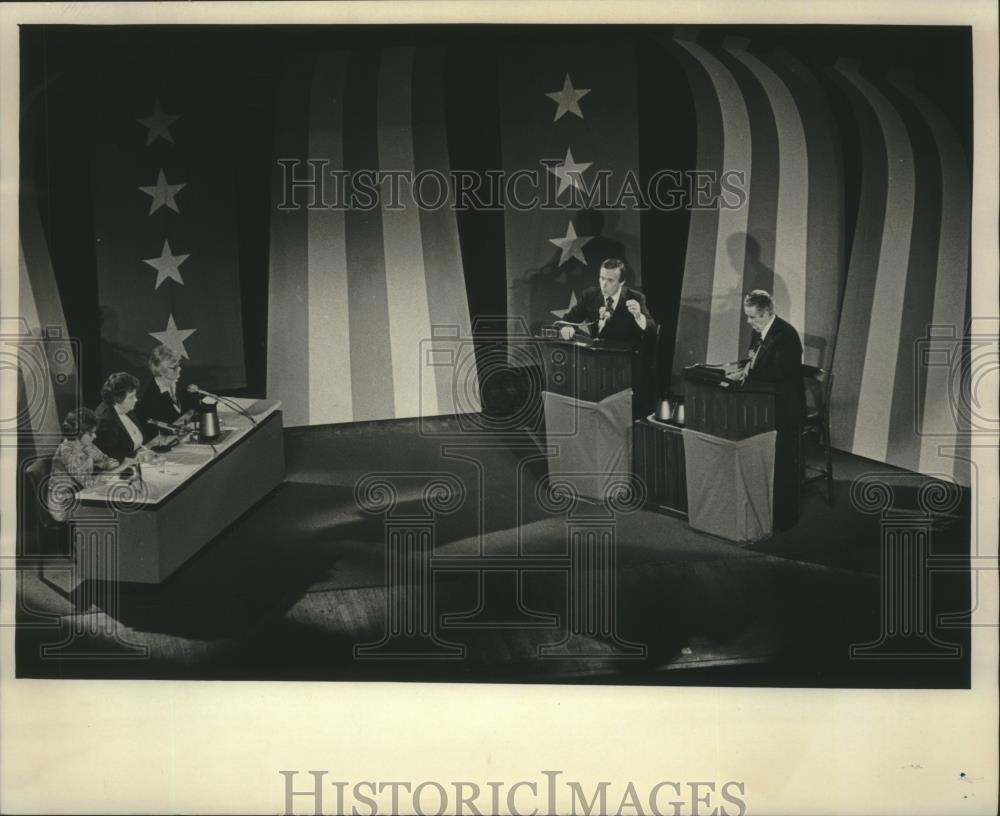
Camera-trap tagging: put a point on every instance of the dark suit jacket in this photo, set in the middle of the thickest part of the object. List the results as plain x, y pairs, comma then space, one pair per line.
112, 438
154, 404
779, 361
779, 364
621, 326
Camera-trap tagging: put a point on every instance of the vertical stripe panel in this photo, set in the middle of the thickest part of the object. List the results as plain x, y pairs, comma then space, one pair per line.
762, 207
39, 399
938, 427
409, 313
871, 434
727, 280
371, 360
856, 312
45, 310
824, 260
699, 263
288, 352
445, 276
793, 195
330, 396
918, 304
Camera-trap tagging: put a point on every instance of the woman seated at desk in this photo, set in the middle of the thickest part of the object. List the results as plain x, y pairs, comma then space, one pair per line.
76, 462
120, 433
163, 400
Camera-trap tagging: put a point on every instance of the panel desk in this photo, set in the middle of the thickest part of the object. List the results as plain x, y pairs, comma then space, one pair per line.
144, 529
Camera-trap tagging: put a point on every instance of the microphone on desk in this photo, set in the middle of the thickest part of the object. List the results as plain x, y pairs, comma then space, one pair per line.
163, 426
194, 389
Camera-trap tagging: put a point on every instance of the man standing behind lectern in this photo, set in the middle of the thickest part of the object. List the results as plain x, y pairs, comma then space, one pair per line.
614, 311
776, 357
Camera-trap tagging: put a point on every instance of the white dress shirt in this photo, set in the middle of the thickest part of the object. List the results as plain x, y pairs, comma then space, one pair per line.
763, 334
131, 427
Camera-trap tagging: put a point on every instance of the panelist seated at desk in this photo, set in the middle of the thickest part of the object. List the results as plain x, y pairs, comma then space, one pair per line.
77, 463
120, 433
163, 399
612, 310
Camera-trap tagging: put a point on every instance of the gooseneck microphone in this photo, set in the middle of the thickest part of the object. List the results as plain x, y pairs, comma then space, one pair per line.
194, 389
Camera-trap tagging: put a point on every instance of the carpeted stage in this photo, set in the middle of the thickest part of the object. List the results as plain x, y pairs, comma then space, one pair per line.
291, 589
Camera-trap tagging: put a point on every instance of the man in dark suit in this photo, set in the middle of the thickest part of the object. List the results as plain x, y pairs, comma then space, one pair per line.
615, 311
775, 358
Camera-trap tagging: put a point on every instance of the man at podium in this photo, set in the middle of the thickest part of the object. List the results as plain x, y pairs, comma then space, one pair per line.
611, 310
617, 312
775, 357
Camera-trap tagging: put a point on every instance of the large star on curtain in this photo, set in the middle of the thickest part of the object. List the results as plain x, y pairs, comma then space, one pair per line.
571, 245
568, 99
174, 338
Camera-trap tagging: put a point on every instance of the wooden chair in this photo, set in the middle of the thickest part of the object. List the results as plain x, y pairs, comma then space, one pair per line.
818, 386
51, 537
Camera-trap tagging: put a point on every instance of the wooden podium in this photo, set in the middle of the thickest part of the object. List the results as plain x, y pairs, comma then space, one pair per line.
727, 410
587, 370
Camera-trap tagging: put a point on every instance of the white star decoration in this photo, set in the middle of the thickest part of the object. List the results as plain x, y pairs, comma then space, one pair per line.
174, 338
561, 313
571, 245
568, 99
569, 172
159, 124
163, 193
167, 265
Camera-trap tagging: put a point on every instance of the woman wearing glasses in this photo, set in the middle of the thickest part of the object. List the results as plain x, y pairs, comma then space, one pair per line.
163, 399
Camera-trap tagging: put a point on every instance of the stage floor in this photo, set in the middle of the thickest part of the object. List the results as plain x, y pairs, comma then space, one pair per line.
297, 588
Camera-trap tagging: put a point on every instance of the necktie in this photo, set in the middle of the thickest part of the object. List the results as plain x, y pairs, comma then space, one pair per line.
755, 348
610, 304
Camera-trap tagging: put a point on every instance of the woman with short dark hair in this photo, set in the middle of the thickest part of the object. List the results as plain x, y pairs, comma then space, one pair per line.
76, 462
120, 433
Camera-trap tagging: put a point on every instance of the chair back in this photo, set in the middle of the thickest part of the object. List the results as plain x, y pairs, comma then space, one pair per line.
818, 383
36, 483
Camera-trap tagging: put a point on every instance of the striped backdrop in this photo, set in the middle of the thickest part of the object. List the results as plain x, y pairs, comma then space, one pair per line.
368, 315
763, 117
905, 303
899, 300
856, 218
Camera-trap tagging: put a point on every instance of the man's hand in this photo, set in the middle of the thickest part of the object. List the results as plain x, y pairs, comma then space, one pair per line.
739, 375
567, 332
636, 311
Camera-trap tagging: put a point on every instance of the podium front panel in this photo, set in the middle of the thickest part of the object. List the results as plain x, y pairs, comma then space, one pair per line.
584, 371
728, 413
